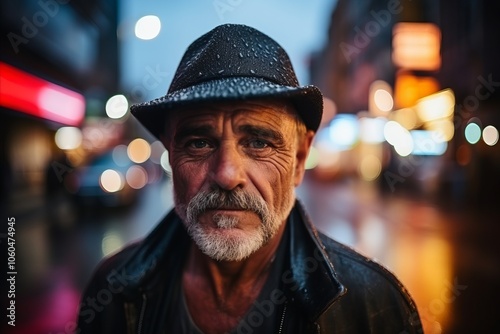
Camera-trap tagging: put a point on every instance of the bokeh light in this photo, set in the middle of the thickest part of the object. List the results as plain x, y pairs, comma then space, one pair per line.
371, 130
428, 143
416, 45
383, 100
443, 129
393, 132
139, 150
313, 158
472, 133
407, 117
111, 181
117, 106
343, 131
436, 106
147, 27
399, 137
157, 149
490, 135
136, 177
165, 162
380, 100
370, 167
405, 146
68, 138
120, 156
111, 242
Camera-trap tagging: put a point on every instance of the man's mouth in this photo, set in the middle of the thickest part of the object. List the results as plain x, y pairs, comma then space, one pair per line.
226, 208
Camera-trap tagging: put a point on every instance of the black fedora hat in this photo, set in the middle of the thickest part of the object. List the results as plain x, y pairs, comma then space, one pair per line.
232, 62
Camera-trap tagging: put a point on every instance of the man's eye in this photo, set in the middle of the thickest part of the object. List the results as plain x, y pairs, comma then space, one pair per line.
198, 143
258, 144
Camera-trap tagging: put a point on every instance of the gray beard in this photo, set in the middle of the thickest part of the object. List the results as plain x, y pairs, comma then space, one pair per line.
221, 246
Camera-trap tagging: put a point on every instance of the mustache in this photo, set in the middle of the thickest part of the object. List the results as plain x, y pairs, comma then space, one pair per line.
222, 199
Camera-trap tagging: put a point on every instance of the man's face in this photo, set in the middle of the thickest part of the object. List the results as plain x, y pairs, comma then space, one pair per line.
234, 168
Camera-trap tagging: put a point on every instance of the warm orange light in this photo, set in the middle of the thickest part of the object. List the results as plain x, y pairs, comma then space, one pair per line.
111, 181
370, 167
380, 101
407, 117
409, 89
416, 46
139, 150
436, 106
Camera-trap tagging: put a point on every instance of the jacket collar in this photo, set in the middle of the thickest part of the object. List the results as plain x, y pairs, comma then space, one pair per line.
309, 280
313, 282
140, 270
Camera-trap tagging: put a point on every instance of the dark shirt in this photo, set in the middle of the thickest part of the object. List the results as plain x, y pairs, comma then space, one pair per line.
264, 316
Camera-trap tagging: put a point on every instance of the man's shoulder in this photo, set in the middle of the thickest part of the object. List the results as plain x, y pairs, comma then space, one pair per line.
140, 258
374, 294
109, 266
119, 258
355, 268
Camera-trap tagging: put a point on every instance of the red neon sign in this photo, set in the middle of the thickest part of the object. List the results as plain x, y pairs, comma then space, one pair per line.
27, 93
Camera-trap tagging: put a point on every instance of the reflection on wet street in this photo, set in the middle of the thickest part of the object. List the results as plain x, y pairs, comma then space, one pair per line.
446, 257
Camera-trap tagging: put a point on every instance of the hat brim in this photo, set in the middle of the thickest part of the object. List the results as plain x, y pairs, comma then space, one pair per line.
307, 100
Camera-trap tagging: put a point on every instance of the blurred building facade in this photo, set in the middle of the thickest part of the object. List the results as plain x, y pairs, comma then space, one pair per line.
361, 49
64, 47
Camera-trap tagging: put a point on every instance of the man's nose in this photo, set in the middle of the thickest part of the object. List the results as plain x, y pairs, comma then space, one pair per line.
228, 169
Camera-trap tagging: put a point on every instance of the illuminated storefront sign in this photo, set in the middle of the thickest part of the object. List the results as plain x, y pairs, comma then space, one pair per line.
32, 95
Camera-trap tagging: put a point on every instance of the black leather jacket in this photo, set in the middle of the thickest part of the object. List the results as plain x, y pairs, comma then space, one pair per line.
329, 287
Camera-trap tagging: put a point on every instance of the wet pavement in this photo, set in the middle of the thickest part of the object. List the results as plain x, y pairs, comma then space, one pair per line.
447, 256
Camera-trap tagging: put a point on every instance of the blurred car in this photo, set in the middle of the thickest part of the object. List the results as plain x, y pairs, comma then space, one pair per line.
102, 182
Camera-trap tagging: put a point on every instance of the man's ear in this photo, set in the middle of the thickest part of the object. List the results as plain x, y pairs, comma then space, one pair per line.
303, 147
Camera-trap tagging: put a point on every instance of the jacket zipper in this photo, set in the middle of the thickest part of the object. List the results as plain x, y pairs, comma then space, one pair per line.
141, 314
282, 322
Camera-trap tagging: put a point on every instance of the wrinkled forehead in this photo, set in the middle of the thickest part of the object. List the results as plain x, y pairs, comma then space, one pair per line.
277, 110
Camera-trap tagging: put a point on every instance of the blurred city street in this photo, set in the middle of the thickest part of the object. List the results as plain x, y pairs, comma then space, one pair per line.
404, 166
447, 257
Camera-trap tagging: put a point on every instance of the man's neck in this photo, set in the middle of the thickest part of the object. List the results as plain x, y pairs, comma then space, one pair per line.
219, 293
226, 276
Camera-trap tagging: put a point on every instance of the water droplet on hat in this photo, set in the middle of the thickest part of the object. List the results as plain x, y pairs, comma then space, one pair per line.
218, 56
221, 71
200, 74
252, 71
241, 55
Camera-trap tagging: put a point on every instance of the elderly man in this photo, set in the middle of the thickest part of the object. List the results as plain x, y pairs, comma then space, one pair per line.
238, 254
